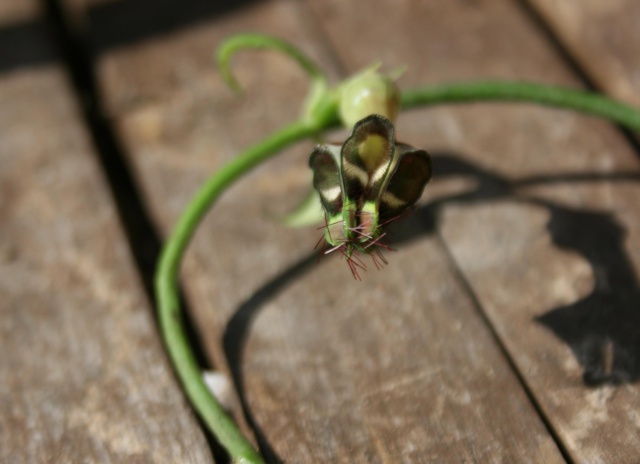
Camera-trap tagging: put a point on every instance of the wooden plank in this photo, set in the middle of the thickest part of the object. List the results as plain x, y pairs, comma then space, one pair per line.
604, 38
390, 370
83, 377
180, 122
18, 11
537, 207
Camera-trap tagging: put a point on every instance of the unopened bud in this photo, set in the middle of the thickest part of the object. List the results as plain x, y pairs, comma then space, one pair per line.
366, 93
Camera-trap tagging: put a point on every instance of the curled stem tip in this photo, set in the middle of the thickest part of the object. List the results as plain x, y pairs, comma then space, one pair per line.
258, 41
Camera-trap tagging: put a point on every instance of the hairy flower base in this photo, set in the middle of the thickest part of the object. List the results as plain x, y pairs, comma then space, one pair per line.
356, 243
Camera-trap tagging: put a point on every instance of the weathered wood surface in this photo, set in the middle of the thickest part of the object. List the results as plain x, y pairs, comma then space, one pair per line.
603, 36
321, 379
82, 376
391, 370
542, 227
504, 328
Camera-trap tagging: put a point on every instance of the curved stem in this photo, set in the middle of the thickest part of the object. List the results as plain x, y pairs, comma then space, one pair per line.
259, 41
166, 287
319, 100
584, 102
324, 117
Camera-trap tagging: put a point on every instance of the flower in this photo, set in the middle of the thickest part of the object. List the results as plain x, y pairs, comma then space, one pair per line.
365, 184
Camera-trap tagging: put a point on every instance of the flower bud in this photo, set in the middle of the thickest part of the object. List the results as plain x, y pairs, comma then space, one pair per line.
366, 93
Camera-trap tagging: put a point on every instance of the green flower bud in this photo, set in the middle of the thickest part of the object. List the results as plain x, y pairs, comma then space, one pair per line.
366, 93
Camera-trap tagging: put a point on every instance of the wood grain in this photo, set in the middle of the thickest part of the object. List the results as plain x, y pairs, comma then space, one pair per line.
529, 223
83, 377
537, 207
400, 368
604, 38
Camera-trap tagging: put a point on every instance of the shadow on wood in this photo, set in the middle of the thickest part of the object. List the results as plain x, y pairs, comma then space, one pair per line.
126, 22
25, 44
236, 333
108, 25
600, 329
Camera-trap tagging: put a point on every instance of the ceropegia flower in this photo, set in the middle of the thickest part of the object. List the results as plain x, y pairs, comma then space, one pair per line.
364, 184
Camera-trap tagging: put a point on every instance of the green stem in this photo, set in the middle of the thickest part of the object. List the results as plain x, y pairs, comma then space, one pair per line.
171, 323
259, 41
324, 117
581, 101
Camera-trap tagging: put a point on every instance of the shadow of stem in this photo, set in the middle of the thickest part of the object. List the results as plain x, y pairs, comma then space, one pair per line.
601, 329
